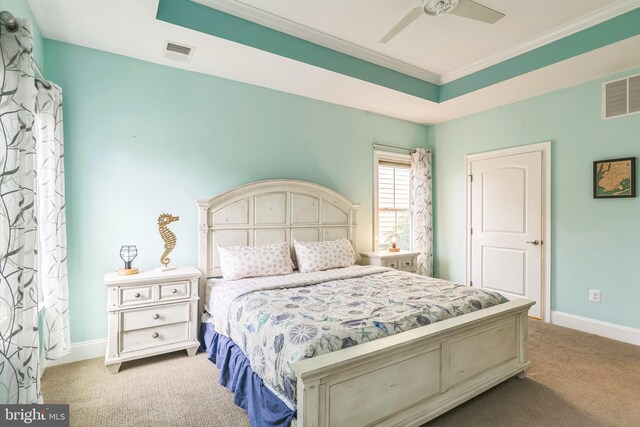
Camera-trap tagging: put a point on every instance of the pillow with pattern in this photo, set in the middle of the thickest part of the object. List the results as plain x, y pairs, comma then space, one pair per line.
239, 262
318, 256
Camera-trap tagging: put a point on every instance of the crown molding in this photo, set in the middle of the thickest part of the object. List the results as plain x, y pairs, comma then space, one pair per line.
266, 19
596, 17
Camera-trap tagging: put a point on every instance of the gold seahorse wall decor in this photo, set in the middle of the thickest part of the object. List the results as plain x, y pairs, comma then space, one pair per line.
168, 236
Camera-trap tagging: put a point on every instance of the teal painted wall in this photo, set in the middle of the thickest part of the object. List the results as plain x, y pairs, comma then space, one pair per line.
21, 9
142, 139
595, 242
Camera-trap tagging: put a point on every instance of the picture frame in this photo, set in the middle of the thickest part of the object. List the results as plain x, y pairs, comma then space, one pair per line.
614, 178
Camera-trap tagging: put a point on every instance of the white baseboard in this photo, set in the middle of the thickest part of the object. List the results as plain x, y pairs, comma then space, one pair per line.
81, 351
596, 327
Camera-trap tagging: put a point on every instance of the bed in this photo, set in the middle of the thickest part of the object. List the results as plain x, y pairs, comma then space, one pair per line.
440, 345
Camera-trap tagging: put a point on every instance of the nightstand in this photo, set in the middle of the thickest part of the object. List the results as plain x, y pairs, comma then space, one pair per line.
403, 260
151, 313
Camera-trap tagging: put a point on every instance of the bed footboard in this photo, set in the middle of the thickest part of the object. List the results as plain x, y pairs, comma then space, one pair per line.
410, 378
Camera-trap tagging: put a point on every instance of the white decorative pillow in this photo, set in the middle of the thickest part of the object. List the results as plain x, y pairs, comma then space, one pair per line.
317, 256
238, 262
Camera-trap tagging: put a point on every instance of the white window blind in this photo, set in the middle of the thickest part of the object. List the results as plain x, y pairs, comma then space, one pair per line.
394, 217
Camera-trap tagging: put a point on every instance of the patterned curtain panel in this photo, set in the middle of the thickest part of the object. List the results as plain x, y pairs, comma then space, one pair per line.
19, 361
421, 216
52, 222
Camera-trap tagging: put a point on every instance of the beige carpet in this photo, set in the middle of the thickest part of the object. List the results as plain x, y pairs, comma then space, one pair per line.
576, 380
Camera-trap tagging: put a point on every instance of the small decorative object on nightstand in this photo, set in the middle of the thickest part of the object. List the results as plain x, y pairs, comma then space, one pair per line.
151, 313
128, 253
402, 260
169, 239
394, 244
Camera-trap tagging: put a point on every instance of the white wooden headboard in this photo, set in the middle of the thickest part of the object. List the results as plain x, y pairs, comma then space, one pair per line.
272, 211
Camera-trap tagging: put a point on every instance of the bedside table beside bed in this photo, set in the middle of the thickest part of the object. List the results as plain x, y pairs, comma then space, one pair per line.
151, 313
403, 260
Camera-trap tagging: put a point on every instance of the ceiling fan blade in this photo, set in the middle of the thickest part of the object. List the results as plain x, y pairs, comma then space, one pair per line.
404, 23
472, 10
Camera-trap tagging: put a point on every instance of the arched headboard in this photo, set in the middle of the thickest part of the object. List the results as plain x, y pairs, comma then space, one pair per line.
272, 211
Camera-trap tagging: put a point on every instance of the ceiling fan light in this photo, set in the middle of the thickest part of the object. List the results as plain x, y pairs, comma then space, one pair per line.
439, 7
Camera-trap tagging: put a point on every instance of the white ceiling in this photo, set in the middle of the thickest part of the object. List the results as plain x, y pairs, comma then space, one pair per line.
442, 44
129, 28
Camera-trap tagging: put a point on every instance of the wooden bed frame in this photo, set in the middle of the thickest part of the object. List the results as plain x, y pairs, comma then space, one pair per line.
405, 379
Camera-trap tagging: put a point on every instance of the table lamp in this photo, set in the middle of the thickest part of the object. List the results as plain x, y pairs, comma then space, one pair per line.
394, 243
128, 253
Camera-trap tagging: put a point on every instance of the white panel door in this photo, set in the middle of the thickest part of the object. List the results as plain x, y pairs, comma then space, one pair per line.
506, 226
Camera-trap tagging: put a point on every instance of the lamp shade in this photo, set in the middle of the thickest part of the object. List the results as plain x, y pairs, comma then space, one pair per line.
128, 253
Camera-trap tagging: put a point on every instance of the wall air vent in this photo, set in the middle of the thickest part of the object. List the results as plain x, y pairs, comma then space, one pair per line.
177, 52
621, 97
634, 95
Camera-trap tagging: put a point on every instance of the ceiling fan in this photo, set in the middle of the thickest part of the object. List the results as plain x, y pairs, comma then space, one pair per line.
465, 8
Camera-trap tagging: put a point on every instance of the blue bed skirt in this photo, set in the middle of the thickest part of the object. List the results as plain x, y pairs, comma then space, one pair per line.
264, 408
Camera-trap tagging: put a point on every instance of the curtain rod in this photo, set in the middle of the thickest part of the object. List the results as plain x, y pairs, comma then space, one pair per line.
393, 147
9, 21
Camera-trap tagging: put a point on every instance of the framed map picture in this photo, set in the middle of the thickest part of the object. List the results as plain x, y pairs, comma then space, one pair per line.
614, 178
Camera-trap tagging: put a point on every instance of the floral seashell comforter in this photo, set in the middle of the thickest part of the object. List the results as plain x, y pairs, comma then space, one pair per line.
279, 320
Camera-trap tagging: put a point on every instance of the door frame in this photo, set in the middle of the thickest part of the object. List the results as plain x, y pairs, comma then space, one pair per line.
545, 148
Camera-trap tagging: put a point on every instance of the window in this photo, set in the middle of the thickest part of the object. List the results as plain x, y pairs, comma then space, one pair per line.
393, 216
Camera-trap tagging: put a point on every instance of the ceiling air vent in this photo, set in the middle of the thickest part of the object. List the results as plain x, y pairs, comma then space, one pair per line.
177, 52
621, 97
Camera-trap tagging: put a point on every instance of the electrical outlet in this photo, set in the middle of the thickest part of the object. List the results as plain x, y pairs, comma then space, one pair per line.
594, 295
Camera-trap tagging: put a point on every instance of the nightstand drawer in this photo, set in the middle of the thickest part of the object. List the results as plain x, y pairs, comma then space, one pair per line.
154, 337
175, 290
406, 263
391, 263
137, 295
156, 316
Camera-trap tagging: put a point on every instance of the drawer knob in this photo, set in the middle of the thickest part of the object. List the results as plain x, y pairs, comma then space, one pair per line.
155, 335
156, 316
137, 295
174, 291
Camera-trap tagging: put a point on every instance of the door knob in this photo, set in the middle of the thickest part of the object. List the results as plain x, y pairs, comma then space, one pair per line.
535, 242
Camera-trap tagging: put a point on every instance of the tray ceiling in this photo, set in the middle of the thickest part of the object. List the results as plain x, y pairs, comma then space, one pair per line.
441, 45
450, 45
